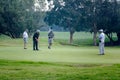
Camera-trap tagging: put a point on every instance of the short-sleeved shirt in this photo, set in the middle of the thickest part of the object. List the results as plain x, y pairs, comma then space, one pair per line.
35, 36
102, 37
25, 34
51, 34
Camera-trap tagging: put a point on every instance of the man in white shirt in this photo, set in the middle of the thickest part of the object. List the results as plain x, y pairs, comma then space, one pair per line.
101, 42
25, 38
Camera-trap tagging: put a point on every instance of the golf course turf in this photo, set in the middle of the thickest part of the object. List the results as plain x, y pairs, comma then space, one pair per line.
62, 62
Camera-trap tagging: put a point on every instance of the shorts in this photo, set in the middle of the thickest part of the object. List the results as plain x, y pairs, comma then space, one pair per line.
25, 40
50, 40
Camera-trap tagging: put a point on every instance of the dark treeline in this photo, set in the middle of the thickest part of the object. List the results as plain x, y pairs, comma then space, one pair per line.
87, 15
18, 15
75, 15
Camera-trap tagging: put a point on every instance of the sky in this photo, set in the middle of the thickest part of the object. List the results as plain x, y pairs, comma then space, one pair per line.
44, 5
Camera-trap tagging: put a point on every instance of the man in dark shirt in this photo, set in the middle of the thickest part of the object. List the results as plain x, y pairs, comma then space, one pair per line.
35, 40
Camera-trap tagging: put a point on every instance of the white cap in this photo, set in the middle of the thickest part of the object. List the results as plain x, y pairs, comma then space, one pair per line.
38, 31
101, 30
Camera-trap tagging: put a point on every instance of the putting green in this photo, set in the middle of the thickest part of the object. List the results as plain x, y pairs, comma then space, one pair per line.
60, 53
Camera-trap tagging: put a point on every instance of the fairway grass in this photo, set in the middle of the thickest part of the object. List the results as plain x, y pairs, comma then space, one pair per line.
14, 70
59, 63
62, 62
64, 54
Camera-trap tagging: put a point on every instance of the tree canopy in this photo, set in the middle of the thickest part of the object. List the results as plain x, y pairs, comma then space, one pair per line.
74, 15
89, 15
18, 15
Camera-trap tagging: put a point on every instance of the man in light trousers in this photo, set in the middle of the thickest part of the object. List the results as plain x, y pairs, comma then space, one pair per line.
25, 38
101, 42
50, 38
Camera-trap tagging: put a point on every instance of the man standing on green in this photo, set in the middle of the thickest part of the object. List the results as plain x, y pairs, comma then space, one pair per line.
101, 42
35, 40
25, 38
50, 38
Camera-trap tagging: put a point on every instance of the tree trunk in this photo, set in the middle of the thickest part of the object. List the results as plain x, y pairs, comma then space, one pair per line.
11, 35
118, 36
72, 31
109, 35
95, 35
95, 38
71, 37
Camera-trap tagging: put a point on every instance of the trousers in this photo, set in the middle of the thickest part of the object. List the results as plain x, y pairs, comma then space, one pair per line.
35, 45
101, 48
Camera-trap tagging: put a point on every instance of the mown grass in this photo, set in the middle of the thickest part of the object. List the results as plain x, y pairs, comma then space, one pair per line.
79, 38
62, 62
14, 70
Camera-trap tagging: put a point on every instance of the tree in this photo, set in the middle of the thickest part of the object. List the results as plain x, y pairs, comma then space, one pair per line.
17, 15
104, 14
70, 14
78, 15
109, 19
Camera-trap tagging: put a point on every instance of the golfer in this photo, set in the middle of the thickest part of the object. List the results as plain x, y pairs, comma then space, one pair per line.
50, 38
25, 38
36, 40
101, 42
